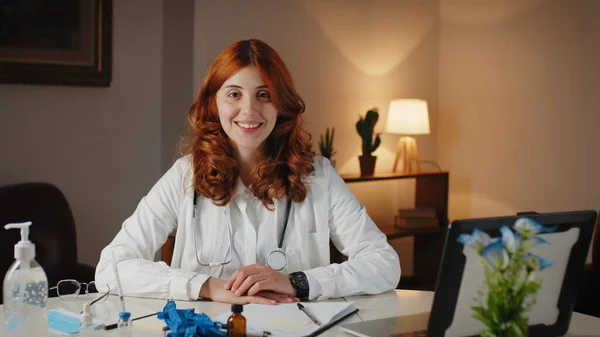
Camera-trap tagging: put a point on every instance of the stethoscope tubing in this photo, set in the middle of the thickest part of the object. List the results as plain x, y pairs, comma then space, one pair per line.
229, 251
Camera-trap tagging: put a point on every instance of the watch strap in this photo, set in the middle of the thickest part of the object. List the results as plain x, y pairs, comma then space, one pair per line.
299, 282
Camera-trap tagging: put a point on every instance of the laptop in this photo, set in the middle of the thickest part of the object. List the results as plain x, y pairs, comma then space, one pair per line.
460, 276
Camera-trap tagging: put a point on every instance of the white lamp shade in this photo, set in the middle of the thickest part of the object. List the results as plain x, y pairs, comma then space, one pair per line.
408, 116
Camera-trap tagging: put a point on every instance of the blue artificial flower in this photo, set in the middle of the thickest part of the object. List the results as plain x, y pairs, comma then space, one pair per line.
510, 241
477, 240
529, 228
535, 262
495, 255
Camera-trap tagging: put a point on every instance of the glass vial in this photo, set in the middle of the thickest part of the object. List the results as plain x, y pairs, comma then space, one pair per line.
124, 325
87, 325
236, 324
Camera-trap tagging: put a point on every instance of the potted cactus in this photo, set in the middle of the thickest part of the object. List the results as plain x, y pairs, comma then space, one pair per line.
365, 127
326, 145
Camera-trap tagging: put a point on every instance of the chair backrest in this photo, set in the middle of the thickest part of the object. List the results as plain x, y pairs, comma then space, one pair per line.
52, 231
166, 251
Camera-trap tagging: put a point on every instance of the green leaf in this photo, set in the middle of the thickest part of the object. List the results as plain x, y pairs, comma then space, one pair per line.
359, 127
376, 144
480, 314
332, 133
488, 333
514, 328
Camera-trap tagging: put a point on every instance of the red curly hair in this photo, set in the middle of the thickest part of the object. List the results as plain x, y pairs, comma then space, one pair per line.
287, 159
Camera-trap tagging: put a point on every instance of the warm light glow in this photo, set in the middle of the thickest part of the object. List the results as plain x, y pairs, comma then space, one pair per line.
484, 12
408, 117
377, 35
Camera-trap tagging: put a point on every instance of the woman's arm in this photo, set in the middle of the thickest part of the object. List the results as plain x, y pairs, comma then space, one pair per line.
373, 265
141, 235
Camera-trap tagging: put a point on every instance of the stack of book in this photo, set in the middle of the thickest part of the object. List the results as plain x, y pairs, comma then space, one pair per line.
416, 218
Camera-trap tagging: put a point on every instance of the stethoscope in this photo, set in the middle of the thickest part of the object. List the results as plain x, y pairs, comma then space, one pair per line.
276, 260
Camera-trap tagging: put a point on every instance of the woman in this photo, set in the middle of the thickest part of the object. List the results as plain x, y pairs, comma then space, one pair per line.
253, 208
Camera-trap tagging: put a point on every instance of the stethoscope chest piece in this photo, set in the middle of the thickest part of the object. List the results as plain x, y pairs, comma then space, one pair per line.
277, 259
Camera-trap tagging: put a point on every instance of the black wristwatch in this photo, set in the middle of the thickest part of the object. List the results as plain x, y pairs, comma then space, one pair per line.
299, 282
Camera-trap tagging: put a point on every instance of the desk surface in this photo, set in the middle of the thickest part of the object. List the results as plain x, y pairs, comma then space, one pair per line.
389, 304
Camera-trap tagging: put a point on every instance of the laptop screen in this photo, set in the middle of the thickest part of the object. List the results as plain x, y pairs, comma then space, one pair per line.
461, 274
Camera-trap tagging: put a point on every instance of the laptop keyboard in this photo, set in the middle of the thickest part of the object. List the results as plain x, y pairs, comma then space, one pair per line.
419, 333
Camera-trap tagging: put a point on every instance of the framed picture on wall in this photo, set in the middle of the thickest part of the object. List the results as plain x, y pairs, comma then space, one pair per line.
56, 42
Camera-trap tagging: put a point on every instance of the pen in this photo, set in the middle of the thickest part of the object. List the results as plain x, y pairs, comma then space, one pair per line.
312, 318
114, 326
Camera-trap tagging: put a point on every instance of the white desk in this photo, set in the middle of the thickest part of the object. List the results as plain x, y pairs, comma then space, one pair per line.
389, 304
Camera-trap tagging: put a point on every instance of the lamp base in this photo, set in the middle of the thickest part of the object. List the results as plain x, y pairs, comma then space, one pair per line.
407, 149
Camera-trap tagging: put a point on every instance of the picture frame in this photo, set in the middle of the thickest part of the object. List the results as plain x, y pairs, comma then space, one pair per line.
56, 42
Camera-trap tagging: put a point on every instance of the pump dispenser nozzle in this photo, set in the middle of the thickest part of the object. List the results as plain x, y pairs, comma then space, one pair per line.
24, 249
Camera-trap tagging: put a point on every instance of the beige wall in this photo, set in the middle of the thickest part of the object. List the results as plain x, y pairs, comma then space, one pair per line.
519, 105
345, 57
103, 147
177, 74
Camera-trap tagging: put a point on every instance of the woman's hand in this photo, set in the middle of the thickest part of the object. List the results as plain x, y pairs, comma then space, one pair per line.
257, 279
214, 289
279, 298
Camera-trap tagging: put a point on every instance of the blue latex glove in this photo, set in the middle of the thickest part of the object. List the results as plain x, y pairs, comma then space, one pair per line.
186, 323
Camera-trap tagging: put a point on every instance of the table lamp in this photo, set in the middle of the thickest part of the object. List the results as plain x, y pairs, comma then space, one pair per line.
407, 117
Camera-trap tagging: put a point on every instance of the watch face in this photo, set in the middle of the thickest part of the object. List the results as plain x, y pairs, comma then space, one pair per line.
277, 260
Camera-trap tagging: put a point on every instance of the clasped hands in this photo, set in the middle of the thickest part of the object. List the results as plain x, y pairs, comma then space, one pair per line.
256, 283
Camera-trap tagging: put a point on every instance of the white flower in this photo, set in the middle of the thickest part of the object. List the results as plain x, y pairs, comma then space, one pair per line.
510, 241
529, 228
477, 240
535, 262
495, 255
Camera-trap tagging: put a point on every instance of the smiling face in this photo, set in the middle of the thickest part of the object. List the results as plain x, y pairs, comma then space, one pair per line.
246, 110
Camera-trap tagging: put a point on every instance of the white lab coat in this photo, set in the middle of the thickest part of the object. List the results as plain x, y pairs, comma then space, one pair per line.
330, 210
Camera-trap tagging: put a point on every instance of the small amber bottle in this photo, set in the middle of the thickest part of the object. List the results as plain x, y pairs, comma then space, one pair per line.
236, 324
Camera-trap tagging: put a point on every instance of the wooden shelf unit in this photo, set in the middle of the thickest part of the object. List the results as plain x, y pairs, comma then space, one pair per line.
431, 190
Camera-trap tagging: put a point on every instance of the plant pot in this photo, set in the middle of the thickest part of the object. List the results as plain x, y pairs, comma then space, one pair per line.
367, 165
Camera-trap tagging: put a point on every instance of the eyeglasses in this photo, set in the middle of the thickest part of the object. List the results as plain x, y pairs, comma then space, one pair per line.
68, 290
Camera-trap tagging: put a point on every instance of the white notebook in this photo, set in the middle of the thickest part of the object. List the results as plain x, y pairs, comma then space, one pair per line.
287, 320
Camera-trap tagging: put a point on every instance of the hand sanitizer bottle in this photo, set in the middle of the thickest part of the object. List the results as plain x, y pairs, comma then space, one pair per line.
25, 290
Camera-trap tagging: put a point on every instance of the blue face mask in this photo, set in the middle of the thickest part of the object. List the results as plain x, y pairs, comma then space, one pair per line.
65, 322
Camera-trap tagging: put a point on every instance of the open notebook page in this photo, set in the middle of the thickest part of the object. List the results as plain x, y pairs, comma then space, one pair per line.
287, 320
